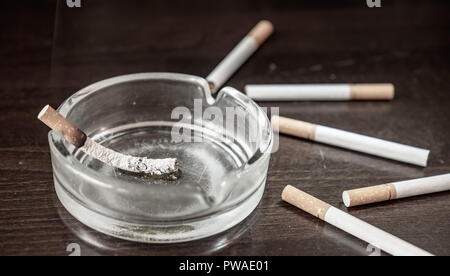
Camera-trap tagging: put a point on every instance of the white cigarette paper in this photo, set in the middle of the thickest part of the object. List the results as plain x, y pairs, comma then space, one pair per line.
396, 190
350, 224
320, 92
352, 141
241, 52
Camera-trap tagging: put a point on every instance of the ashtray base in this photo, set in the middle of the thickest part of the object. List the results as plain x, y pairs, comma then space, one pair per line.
163, 233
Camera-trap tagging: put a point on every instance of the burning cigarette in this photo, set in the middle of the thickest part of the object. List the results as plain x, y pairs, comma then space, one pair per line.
320, 92
229, 65
352, 141
78, 138
350, 224
390, 191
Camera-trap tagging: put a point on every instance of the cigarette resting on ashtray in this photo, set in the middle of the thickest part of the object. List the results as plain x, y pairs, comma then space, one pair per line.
78, 138
320, 92
352, 141
396, 190
240, 53
350, 224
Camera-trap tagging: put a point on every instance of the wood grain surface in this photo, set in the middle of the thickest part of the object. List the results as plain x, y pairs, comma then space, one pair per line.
48, 52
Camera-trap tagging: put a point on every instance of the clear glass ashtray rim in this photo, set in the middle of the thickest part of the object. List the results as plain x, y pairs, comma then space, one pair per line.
79, 168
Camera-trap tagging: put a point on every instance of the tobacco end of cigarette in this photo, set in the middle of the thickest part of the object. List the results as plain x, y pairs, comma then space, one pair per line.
294, 127
369, 195
425, 159
304, 201
212, 86
261, 31
56, 121
245, 89
372, 91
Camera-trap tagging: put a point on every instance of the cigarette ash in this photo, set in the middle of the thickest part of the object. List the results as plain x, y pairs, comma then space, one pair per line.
167, 176
140, 166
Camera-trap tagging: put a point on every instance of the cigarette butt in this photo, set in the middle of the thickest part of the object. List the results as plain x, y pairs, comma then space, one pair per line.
240, 54
396, 190
320, 92
305, 202
75, 136
351, 141
384, 91
261, 31
294, 127
350, 224
56, 121
369, 195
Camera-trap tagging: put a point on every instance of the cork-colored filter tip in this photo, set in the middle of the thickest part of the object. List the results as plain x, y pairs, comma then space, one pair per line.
294, 127
369, 195
374, 91
43, 111
262, 31
346, 199
56, 121
306, 202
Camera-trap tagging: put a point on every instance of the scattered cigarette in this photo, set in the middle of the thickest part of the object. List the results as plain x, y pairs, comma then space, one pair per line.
352, 141
78, 138
396, 190
350, 224
246, 47
320, 92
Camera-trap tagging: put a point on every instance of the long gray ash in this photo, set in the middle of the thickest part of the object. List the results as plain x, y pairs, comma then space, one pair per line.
130, 163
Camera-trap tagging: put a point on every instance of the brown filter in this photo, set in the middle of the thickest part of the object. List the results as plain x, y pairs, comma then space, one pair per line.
369, 195
306, 202
261, 31
56, 121
382, 91
294, 127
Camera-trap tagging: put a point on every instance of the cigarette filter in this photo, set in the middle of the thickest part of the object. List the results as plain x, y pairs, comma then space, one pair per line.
351, 224
320, 92
396, 190
246, 47
56, 121
352, 141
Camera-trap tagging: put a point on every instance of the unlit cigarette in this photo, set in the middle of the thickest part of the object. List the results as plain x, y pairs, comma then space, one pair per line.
396, 190
320, 92
350, 224
78, 138
241, 52
352, 141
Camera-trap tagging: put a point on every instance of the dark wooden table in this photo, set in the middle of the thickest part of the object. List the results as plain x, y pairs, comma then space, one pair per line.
48, 53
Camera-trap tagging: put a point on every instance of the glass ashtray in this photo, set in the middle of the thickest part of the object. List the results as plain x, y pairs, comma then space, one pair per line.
222, 145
